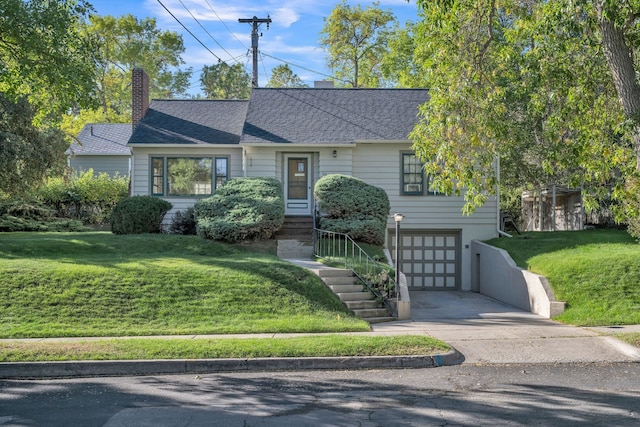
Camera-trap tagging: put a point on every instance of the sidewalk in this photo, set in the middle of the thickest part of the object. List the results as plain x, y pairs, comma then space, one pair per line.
480, 329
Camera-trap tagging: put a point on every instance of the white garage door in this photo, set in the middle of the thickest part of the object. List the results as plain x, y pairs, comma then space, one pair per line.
430, 259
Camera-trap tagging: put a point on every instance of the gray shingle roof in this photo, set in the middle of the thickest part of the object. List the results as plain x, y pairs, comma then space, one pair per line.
331, 116
107, 139
191, 122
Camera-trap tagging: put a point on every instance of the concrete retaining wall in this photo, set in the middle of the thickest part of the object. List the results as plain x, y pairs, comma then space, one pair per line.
496, 275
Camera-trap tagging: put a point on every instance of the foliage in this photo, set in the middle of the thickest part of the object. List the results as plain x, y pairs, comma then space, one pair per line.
26, 215
283, 76
100, 284
183, 222
84, 195
525, 82
122, 44
27, 153
242, 209
355, 40
224, 81
139, 214
351, 206
44, 56
398, 63
573, 263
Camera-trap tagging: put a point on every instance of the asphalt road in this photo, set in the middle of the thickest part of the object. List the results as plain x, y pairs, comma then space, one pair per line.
594, 394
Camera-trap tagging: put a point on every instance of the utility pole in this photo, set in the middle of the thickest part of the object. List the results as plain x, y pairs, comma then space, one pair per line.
255, 23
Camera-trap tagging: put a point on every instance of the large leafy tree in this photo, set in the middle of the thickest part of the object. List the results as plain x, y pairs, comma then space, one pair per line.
124, 43
355, 40
44, 56
224, 81
27, 152
524, 82
283, 76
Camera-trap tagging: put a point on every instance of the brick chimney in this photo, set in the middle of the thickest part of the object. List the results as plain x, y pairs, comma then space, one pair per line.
139, 95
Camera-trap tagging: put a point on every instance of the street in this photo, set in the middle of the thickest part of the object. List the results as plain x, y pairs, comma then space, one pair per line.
595, 394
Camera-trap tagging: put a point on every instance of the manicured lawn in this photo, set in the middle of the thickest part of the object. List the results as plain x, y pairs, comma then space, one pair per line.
597, 272
178, 348
99, 284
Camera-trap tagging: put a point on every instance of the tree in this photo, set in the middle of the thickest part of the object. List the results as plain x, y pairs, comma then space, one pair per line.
44, 55
224, 81
398, 63
524, 82
124, 43
355, 40
27, 153
283, 76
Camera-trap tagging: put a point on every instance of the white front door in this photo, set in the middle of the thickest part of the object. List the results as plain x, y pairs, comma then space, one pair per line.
297, 184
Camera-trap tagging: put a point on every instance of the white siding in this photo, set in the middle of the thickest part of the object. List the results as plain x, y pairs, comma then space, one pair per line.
379, 164
140, 182
99, 164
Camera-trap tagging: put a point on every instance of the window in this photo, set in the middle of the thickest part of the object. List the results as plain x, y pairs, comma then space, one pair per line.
413, 179
188, 176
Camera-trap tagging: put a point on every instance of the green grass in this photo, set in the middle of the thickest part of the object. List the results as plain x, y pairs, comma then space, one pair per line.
152, 348
99, 284
597, 272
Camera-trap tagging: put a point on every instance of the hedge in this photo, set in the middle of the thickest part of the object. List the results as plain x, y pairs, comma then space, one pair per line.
139, 214
242, 209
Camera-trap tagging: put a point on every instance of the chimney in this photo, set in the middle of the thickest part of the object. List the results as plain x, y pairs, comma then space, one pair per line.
323, 84
139, 95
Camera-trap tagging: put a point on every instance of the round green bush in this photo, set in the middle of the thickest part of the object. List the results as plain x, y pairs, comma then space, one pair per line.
242, 209
139, 214
351, 206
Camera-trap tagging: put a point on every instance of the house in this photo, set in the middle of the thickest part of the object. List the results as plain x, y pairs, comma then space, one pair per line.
103, 148
183, 150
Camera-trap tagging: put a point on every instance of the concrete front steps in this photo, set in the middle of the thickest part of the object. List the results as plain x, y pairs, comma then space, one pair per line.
294, 238
354, 296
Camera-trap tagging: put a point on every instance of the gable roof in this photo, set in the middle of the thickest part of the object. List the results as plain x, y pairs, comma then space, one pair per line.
106, 139
191, 122
331, 116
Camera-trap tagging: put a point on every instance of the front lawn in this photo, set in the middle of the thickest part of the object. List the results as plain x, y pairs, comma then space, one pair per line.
99, 284
597, 272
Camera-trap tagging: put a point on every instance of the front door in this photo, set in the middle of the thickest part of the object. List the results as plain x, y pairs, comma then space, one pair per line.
297, 188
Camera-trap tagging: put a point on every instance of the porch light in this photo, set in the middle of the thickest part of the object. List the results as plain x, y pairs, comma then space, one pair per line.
335, 153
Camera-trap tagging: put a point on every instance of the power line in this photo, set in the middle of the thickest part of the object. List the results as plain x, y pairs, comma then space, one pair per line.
303, 67
187, 30
225, 25
205, 30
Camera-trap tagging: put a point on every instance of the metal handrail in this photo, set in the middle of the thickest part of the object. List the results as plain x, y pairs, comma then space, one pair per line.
375, 275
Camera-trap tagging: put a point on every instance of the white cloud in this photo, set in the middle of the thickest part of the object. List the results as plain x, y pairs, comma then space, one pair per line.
285, 17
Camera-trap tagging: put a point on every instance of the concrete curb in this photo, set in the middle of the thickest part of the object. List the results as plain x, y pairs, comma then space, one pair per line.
624, 348
115, 368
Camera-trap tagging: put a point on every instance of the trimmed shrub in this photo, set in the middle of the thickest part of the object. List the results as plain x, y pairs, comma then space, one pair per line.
183, 222
84, 196
351, 206
139, 214
242, 209
20, 215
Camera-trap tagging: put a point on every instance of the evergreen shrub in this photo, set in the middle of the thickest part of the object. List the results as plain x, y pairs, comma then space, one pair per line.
139, 214
242, 209
351, 206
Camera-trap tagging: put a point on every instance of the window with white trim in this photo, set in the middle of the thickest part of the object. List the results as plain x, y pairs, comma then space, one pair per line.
412, 177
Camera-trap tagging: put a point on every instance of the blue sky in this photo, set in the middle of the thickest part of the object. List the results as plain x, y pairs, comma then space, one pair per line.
292, 36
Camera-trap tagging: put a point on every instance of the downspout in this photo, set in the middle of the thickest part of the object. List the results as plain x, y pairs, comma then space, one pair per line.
553, 200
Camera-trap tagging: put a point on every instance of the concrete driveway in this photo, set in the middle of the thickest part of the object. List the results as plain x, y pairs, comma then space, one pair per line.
487, 331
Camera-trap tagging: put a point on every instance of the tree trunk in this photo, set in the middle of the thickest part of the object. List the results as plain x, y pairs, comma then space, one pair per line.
620, 60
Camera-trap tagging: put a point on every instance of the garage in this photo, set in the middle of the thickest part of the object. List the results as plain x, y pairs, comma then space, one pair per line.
430, 259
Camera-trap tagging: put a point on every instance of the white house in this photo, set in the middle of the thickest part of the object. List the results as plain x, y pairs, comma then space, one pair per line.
297, 136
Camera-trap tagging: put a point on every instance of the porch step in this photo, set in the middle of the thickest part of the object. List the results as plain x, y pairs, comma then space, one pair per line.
354, 295
341, 289
296, 228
